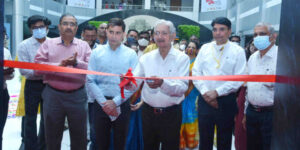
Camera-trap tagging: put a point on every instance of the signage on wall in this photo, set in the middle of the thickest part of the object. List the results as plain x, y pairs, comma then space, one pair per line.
82, 3
213, 5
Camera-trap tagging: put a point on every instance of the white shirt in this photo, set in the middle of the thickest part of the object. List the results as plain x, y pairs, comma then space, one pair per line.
232, 61
262, 93
171, 92
27, 50
140, 53
7, 56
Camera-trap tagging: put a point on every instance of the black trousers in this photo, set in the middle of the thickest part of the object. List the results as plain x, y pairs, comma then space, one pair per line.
259, 129
3, 111
222, 118
33, 97
161, 128
103, 127
92, 126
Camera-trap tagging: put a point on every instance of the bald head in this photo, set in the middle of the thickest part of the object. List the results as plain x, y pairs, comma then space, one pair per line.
102, 30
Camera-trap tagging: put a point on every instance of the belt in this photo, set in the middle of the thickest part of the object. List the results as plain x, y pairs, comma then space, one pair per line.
261, 108
34, 81
65, 91
161, 110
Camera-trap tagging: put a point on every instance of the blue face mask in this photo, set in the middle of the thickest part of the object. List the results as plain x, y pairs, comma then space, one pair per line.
39, 33
262, 42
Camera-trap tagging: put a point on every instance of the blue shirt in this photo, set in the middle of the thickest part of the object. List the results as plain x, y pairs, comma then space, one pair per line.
104, 59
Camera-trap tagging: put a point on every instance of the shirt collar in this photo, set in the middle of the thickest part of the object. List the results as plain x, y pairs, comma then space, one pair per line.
34, 41
108, 47
271, 51
60, 41
218, 47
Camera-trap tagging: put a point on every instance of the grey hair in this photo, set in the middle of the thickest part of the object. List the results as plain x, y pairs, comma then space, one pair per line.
264, 24
165, 22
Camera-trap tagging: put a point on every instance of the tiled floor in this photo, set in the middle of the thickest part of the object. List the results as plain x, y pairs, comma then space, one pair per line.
12, 130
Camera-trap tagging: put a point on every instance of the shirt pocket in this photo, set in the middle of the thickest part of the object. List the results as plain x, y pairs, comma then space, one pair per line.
228, 66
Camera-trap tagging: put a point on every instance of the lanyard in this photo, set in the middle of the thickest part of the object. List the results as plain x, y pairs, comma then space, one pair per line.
218, 60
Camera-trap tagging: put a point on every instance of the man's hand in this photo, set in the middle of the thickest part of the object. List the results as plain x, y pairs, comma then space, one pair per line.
71, 61
109, 107
211, 95
136, 106
8, 71
214, 103
244, 122
211, 98
154, 82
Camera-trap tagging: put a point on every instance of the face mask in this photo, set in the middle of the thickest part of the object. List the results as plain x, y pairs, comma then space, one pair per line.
182, 47
131, 40
262, 42
237, 43
39, 33
143, 42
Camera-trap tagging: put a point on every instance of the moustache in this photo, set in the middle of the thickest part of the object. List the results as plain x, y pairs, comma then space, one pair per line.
160, 40
68, 30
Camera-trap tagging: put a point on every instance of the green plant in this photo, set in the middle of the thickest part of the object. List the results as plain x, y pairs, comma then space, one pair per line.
186, 31
97, 23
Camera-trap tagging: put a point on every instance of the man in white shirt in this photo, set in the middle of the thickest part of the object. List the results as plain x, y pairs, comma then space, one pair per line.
217, 101
34, 85
260, 95
143, 42
161, 111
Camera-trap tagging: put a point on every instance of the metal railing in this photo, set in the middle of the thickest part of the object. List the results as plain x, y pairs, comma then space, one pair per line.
122, 7
172, 8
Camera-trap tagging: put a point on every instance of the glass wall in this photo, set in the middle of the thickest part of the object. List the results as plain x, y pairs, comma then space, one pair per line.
123, 4
172, 5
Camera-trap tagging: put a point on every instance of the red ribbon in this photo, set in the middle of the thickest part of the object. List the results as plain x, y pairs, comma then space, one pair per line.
130, 78
127, 79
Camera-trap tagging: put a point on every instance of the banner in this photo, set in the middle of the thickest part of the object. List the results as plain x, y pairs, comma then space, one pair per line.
82, 3
213, 5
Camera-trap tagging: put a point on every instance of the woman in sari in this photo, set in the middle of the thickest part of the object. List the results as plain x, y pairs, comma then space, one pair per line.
189, 135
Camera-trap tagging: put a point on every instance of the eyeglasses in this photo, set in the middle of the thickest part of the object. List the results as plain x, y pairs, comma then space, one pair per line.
103, 28
72, 24
163, 33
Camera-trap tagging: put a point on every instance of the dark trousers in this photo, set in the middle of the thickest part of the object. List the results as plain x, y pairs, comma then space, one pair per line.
259, 129
59, 105
161, 128
222, 118
104, 126
3, 112
33, 97
92, 126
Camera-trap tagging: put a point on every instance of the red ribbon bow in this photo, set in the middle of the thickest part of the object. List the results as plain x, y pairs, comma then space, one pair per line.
127, 79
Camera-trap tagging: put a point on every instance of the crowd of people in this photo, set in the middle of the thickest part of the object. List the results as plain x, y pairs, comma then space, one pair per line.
157, 113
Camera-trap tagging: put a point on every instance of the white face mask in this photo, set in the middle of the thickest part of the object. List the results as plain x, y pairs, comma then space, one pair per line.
39, 33
143, 42
182, 47
237, 43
